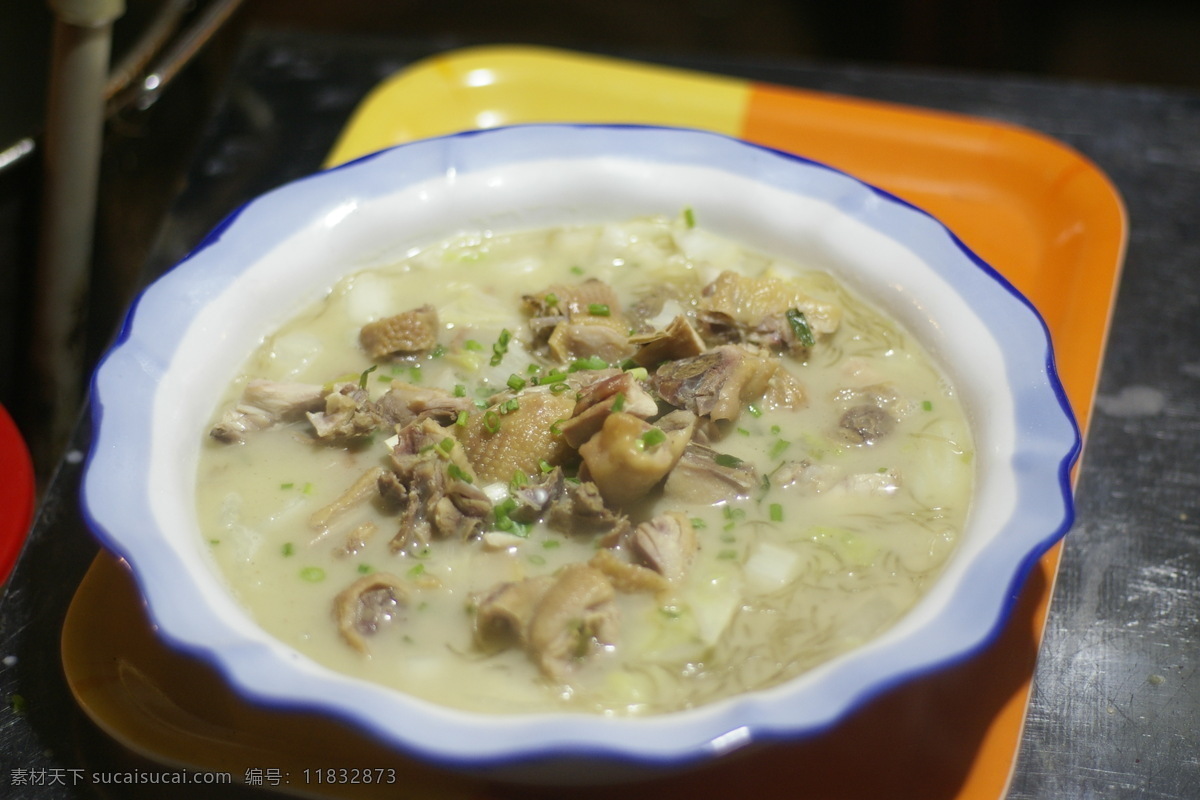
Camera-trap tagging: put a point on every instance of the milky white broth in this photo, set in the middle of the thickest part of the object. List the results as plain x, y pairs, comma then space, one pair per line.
784, 579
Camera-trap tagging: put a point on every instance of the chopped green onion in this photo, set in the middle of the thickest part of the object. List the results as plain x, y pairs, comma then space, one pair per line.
776, 511
456, 472
491, 421
558, 388
554, 376
576, 270
591, 362
447, 444
312, 574
509, 406
556, 427
362, 379
385, 379
501, 347
516, 382
288, 549
927, 405
778, 447
551, 299
800, 327
532, 369
618, 402
689, 217
599, 309
742, 431
438, 351
419, 569
754, 410
461, 419
286, 485
471, 344
308, 488
550, 544
775, 429
505, 522
536, 560
726, 460
365, 569
698, 523
652, 437
460, 390
544, 465
638, 373
519, 479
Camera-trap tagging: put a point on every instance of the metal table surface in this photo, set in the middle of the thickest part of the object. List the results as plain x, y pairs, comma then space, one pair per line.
1115, 711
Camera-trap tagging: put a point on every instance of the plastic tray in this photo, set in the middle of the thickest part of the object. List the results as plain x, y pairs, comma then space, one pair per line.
1039, 212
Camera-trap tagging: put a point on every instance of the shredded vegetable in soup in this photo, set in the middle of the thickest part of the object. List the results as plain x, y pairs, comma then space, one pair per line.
622, 469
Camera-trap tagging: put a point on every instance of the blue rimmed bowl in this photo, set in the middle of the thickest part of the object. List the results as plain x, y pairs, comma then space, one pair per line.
189, 332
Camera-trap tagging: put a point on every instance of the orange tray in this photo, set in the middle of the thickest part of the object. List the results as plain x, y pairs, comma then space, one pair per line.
1040, 213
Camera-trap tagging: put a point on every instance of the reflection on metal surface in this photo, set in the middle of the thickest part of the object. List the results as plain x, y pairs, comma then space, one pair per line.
16, 152
138, 79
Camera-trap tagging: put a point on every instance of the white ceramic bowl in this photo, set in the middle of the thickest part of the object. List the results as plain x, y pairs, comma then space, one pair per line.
189, 331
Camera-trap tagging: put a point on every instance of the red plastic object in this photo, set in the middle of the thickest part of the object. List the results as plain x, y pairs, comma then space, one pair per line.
18, 491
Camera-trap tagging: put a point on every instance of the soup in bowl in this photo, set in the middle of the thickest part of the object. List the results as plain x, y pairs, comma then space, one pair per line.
555, 443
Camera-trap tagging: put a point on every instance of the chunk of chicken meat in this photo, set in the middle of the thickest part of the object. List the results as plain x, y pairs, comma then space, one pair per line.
404, 403
348, 414
577, 615
412, 331
748, 301
629, 457
622, 392
589, 337
704, 476
559, 620
365, 606
715, 384
678, 340
667, 544
264, 403
500, 443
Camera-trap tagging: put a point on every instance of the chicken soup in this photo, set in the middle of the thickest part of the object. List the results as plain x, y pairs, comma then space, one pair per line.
621, 469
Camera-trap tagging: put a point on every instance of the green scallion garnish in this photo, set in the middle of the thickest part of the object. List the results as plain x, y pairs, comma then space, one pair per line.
591, 362
500, 348
652, 437
800, 327
312, 574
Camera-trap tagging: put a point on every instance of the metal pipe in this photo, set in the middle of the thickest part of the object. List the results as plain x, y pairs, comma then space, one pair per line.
74, 135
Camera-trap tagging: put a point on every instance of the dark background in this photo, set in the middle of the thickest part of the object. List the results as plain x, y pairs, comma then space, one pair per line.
1149, 42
